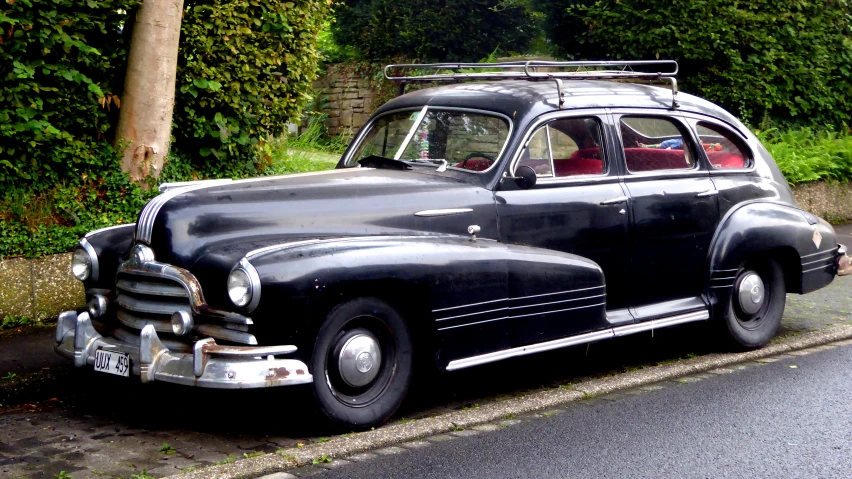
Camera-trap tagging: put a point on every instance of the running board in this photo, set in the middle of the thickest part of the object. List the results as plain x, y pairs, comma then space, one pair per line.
579, 339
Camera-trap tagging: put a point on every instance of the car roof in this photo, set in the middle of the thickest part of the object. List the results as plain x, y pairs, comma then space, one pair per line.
524, 99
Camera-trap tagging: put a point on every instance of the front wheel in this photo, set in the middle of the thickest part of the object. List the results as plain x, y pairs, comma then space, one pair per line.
753, 314
362, 363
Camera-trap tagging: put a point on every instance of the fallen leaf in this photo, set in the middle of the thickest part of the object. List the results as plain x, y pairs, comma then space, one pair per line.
793, 366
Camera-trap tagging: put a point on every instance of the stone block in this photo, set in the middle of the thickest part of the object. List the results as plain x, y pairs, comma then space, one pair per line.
360, 119
349, 95
55, 289
351, 104
346, 118
16, 294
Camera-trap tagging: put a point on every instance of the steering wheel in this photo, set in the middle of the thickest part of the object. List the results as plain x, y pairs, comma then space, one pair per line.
477, 154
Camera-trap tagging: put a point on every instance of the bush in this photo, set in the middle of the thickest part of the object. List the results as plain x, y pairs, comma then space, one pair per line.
428, 30
789, 60
61, 62
245, 69
804, 155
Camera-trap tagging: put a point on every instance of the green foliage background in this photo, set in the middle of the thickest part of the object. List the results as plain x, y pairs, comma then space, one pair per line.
245, 69
783, 61
432, 30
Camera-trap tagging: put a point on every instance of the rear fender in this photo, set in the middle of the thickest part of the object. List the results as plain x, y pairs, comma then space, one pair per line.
802, 243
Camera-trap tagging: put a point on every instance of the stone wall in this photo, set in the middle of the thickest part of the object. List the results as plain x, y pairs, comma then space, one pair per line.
832, 201
348, 97
39, 288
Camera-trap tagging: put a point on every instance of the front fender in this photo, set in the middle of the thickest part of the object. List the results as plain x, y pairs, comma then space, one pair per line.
804, 244
446, 279
111, 245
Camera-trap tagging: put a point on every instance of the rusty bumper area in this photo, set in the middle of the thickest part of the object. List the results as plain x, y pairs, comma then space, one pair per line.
210, 365
844, 264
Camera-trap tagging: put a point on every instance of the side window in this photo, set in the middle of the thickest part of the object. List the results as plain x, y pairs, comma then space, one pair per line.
653, 144
567, 147
576, 147
724, 149
536, 155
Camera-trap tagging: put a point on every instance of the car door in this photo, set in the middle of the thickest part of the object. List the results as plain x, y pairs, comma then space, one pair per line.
576, 206
674, 213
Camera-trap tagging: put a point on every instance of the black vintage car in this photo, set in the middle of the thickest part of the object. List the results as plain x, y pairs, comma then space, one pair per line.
551, 205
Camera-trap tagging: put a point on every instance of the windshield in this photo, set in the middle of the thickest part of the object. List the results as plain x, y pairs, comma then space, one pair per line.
465, 140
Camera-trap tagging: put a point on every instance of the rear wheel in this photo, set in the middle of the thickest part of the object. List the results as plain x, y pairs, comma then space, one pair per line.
362, 363
753, 315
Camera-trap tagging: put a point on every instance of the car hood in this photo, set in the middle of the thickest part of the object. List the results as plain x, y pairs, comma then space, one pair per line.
226, 220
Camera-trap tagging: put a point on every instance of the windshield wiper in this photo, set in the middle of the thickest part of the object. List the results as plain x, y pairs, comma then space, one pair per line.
442, 163
376, 161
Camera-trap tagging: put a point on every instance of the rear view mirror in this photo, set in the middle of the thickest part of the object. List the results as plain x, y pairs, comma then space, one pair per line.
525, 177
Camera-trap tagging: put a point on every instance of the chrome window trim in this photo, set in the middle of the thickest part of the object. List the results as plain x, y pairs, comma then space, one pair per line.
417, 121
696, 167
595, 113
356, 143
93, 258
725, 126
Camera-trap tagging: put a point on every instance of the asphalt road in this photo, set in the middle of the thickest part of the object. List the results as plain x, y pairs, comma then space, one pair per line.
789, 418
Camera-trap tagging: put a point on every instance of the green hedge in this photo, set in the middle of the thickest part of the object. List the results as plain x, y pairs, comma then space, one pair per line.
788, 61
429, 30
245, 69
60, 65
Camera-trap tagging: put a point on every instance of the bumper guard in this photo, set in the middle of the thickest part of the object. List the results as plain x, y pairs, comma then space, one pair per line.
210, 365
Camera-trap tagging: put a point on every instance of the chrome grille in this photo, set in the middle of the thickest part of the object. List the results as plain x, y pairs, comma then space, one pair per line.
143, 299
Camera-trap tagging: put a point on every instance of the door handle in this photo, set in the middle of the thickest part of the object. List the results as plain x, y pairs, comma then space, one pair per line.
707, 193
615, 201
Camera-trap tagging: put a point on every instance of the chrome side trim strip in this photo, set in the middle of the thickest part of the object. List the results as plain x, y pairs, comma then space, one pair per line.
92, 233
661, 323
518, 298
543, 313
832, 250
536, 305
576, 340
444, 212
532, 349
344, 239
817, 268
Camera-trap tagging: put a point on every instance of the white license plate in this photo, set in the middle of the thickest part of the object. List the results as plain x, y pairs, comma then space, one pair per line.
112, 362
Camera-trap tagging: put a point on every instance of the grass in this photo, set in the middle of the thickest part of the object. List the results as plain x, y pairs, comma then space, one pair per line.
805, 155
309, 151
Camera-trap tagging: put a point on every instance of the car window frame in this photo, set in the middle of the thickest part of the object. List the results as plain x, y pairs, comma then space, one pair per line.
598, 114
693, 121
701, 164
356, 142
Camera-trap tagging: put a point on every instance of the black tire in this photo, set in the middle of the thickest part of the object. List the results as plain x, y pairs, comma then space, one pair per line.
754, 329
362, 406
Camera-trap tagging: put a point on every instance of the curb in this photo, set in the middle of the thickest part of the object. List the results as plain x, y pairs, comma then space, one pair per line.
399, 433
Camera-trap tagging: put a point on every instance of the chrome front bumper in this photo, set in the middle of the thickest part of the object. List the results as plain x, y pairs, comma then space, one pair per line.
209, 365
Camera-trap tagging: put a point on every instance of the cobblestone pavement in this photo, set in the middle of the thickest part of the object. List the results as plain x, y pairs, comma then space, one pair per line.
113, 427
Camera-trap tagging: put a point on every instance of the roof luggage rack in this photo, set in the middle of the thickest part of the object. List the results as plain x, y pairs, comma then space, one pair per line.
661, 70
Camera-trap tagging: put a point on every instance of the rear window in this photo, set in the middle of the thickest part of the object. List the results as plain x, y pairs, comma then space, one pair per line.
654, 144
723, 148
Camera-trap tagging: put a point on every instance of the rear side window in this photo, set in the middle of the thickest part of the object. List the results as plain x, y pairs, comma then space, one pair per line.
566, 147
724, 149
654, 144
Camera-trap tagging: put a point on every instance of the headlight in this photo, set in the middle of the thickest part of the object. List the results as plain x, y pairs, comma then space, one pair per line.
84, 262
244, 285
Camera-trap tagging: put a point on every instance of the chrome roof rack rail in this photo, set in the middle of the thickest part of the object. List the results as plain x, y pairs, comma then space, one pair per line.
662, 70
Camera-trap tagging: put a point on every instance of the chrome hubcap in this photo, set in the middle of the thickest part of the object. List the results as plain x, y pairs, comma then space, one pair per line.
751, 293
360, 360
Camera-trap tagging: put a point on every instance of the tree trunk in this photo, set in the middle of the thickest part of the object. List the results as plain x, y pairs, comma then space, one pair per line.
145, 118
